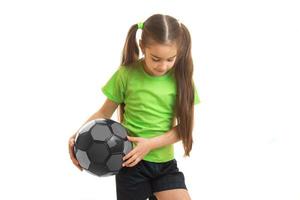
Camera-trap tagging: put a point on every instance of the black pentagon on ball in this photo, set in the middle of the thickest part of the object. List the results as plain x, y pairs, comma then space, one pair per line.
116, 145
84, 141
98, 152
114, 163
98, 169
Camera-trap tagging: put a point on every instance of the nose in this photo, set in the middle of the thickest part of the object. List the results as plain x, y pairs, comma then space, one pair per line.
163, 66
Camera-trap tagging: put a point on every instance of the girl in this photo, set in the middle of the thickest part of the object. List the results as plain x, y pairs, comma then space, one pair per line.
156, 98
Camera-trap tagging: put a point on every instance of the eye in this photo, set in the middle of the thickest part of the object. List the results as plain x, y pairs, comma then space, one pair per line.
155, 60
171, 60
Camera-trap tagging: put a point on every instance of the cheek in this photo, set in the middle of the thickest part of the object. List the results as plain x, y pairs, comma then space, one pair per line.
171, 64
151, 63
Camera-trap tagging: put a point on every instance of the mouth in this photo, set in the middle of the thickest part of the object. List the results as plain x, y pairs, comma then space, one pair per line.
159, 71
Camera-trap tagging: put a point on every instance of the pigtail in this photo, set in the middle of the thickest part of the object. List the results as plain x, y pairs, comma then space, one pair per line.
185, 91
130, 51
130, 55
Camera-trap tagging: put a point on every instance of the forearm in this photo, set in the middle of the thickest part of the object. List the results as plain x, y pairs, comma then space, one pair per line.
168, 138
96, 115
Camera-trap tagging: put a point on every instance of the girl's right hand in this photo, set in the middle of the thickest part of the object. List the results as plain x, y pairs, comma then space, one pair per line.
71, 152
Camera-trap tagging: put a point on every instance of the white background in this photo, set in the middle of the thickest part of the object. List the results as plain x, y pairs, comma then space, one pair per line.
56, 55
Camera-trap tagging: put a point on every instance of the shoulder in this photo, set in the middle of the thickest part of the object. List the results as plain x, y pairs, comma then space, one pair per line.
131, 68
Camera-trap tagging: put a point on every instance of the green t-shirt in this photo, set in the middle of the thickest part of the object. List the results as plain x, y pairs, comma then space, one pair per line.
149, 104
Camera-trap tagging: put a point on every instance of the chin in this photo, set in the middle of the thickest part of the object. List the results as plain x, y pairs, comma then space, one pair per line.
159, 72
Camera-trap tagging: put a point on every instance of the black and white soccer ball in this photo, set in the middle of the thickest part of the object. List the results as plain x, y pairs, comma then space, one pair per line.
100, 146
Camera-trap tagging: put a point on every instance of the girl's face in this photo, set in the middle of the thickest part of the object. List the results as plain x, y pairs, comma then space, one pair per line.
159, 58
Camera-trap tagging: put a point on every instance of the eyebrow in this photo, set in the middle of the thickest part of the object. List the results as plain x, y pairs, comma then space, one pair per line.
160, 57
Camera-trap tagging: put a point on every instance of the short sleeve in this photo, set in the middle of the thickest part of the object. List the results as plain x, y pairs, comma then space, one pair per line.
115, 88
196, 97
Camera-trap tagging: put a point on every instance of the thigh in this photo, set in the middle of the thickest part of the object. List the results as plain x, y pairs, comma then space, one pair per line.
132, 184
169, 178
175, 194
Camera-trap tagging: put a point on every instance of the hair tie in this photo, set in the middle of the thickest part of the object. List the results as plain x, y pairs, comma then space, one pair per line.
141, 25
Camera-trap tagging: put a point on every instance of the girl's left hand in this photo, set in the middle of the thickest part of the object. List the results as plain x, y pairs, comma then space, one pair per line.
141, 149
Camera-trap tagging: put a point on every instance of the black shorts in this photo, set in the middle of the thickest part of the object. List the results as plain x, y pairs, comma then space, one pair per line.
145, 178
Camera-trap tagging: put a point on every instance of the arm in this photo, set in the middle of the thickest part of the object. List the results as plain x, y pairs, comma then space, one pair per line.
168, 138
144, 146
106, 111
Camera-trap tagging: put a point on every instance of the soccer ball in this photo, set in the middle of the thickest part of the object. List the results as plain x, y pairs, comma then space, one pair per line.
100, 146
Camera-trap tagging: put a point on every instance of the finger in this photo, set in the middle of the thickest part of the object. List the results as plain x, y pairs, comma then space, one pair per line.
135, 162
130, 160
71, 140
78, 166
72, 154
76, 163
74, 160
71, 150
71, 143
132, 152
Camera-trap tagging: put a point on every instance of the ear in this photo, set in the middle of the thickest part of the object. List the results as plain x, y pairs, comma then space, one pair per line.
142, 46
